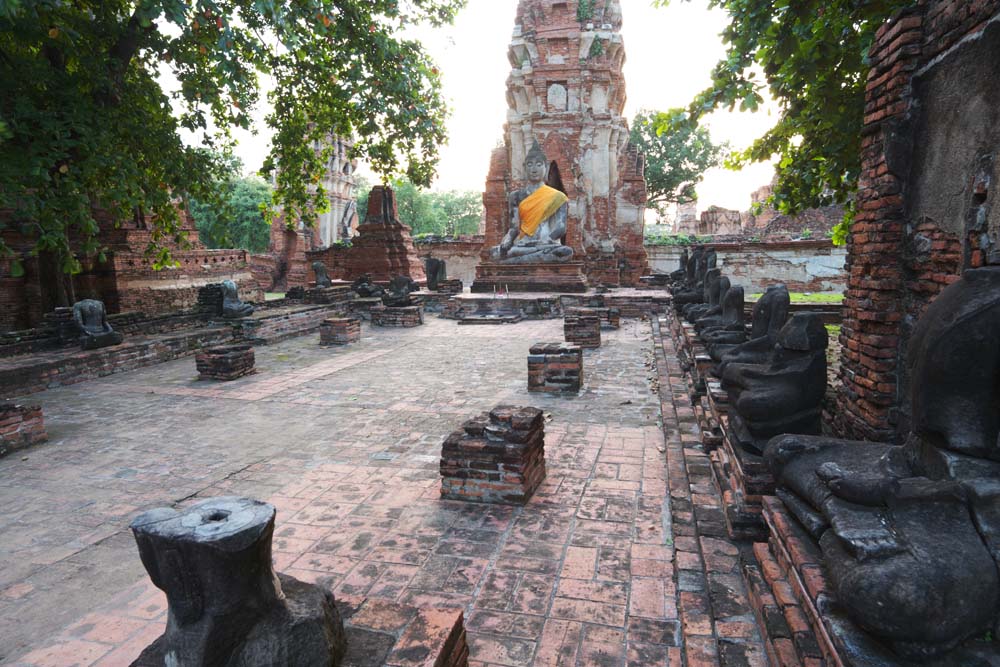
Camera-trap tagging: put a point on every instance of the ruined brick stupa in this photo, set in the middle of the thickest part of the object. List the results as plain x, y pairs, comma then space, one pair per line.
566, 91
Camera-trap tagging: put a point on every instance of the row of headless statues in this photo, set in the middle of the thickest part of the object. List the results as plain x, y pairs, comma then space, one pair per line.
910, 534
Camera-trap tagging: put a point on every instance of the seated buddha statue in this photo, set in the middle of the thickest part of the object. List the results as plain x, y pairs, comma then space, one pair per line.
322, 277
537, 218
693, 292
92, 323
769, 314
910, 534
682, 269
784, 393
232, 307
713, 316
710, 301
731, 322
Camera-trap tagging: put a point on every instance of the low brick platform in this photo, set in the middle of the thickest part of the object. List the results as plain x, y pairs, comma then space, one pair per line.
410, 316
555, 368
555, 277
340, 331
386, 633
20, 426
583, 327
268, 326
498, 457
225, 363
28, 374
337, 294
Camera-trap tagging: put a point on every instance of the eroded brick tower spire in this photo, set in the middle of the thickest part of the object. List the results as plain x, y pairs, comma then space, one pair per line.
566, 89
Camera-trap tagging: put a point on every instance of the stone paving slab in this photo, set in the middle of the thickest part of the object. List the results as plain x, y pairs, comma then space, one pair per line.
346, 443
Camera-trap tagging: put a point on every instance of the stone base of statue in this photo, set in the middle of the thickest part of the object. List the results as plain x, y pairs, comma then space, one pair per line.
539, 277
227, 606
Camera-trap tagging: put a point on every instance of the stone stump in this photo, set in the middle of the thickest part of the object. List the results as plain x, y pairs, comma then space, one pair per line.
225, 363
20, 426
583, 327
340, 331
555, 368
498, 457
226, 605
404, 317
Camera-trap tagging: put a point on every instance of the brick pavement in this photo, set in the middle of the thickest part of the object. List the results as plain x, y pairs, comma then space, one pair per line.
602, 567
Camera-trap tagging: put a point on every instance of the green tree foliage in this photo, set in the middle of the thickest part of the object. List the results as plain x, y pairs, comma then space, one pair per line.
676, 157
811, 55
240, 221
89, 123
450, 213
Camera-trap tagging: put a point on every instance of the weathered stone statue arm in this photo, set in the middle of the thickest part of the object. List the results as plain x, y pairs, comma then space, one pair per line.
557, 224
78, 318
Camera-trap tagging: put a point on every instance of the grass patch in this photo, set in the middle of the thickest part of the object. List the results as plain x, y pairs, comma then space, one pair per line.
808, 297
273, 296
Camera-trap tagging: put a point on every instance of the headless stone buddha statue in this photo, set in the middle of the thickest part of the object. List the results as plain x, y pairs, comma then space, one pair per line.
911, 534
682, 269
710, 300
322, 277
92, 323
365, 288
398, 294
732, 321
537, 218
437, 272
769, 315
713, 316
694, 292
232, 307
784, 393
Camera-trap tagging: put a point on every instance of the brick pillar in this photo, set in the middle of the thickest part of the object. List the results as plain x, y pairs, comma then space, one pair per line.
555, 368
873, 304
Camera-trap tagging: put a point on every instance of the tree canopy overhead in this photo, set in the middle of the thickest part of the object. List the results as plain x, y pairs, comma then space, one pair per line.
676, 158
811, 56
85, 119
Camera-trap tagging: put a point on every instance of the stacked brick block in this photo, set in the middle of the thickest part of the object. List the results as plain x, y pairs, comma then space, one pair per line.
450, 286
340, 331
583, 327
225, 363
498, 457
20, 426
410, 316
555, 368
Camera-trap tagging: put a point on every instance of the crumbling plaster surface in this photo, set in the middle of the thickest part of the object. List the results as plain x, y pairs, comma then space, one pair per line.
804, 269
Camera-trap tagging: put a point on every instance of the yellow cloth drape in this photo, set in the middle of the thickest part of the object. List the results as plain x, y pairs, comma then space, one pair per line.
538, 207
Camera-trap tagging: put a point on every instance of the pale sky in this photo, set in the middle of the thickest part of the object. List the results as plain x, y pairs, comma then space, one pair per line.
670, 55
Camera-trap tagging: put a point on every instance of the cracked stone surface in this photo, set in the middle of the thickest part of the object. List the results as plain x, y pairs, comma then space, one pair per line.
346, 443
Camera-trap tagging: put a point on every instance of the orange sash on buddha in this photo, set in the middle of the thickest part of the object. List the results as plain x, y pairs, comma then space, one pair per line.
538, 207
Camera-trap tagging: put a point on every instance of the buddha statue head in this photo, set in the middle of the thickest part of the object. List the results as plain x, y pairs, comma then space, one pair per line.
536, 164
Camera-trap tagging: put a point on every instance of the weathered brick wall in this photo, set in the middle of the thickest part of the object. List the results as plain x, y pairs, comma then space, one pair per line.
925, 206
461, 255
805, 266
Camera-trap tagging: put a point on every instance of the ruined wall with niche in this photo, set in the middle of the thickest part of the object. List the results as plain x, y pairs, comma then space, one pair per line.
566, 89
926, 196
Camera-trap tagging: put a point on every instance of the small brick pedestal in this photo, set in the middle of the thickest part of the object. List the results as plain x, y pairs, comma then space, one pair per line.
20, 426
339, 331
225, 363
498, 457
555, 368
410, 316
583, 327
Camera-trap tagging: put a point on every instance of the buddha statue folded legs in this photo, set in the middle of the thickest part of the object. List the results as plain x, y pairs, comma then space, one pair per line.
911, 534
769, 315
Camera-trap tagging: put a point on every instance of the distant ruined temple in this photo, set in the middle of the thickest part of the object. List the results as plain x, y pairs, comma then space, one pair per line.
566, 90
